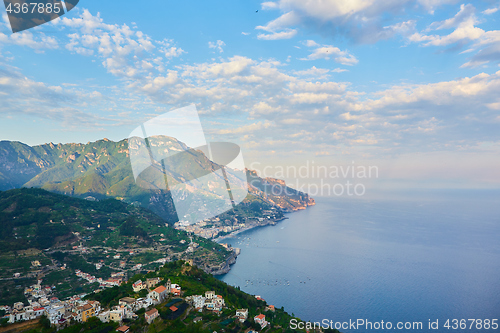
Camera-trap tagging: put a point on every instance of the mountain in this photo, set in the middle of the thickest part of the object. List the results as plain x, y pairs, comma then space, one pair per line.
276, 192
102, 170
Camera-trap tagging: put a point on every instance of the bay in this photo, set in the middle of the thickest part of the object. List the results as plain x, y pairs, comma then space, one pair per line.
398, 257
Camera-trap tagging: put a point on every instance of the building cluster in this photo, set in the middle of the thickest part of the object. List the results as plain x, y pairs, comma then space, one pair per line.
209, 301
242, 315
209, 228
75, 309
148, 284
213, 227
126, 308
63, 313
38, 292
60, 313
115, 280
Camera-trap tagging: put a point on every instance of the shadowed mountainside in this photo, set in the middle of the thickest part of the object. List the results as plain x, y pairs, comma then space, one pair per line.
102, 170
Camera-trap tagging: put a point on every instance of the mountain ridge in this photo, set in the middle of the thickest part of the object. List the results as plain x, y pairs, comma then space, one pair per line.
102, 169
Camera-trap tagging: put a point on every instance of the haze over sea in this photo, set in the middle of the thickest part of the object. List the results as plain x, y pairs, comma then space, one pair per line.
400, 257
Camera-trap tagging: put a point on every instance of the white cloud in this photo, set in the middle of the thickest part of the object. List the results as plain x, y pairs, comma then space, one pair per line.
486, 44
246, 129
310, 43
313, 71
160, 82
26, 38
465, 30
308, 86
305, 109
490, 11
484, 56
326, 10
360, 20
173, 52
217, 45
431, 5
460, 93
286, 34
23, 97
328, 52
466, 15
269, 5
402, 28
277, 29
124, 51
227, 69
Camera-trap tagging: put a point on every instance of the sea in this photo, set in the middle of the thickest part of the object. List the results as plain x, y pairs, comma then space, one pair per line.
430, 257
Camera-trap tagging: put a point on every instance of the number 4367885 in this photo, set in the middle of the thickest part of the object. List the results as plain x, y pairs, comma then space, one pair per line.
33, 7
463, 324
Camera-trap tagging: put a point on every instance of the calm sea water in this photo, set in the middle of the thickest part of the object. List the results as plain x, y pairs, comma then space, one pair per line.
416, 257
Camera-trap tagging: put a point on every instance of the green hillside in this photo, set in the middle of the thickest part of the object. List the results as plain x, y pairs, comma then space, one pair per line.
185, 319
59, 230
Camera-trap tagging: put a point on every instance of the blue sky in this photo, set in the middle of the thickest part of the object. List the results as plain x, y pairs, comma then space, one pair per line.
409, 86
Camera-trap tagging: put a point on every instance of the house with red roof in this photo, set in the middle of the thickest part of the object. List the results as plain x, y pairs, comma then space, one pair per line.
158, 294
123, 329
175, 289
138, 286
261, 320
151, 315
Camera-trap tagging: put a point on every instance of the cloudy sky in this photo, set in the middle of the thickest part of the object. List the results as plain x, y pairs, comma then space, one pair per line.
410, 86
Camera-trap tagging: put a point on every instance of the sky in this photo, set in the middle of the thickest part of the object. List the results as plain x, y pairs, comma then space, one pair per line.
409, 86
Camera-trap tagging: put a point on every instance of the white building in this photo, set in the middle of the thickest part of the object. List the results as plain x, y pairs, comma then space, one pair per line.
210, 294
104, 316
261, 319
158, 295
138, 286
242, 314
197, 301
117, 314
55, 312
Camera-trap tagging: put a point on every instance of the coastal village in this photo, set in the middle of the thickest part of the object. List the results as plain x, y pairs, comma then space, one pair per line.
149, 294
217, 227
62, 284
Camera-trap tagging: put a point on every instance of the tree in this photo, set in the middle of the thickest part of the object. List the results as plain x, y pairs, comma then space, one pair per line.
44, 321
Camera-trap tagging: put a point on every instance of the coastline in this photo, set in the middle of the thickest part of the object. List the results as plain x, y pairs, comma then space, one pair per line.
268, 222
236, 251
239, 231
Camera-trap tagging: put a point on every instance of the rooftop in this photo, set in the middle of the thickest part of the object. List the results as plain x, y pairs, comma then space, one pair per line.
151, 312
123, 328
128, 300
160, 289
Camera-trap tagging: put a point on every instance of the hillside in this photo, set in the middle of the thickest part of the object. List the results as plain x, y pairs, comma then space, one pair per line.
276, 192
177, 313
65, 234
102, 169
